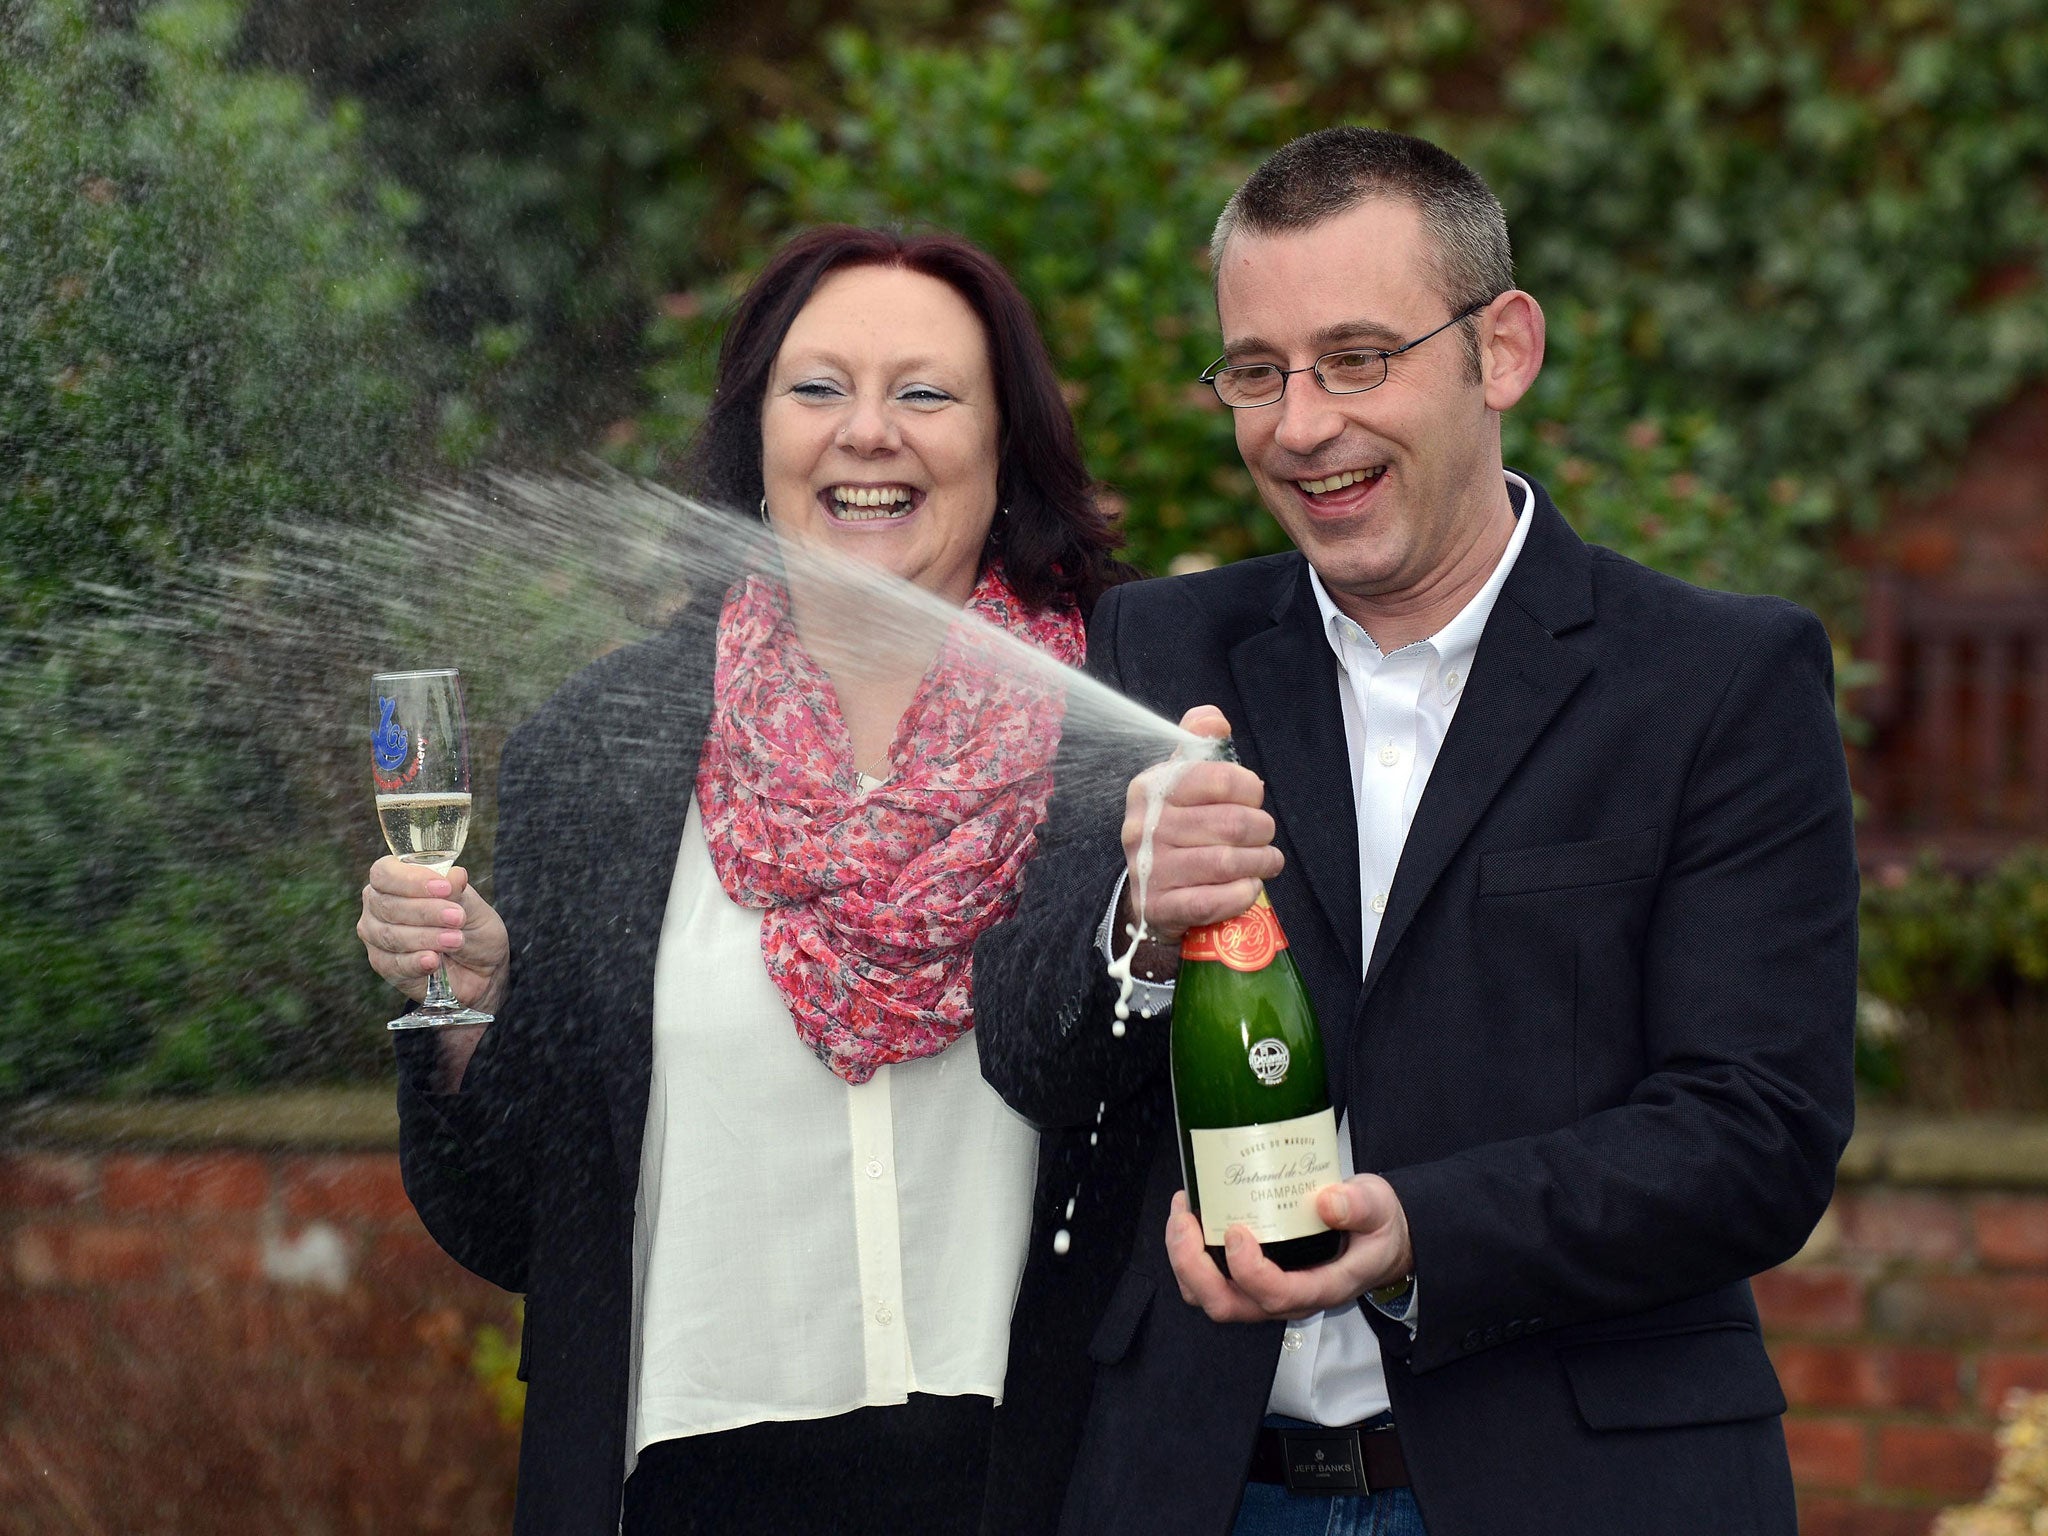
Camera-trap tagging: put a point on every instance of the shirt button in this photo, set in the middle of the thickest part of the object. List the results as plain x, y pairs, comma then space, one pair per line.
874, 1167
1451, 681
884, 1316
1379, 902
1389, 755
1291, 1341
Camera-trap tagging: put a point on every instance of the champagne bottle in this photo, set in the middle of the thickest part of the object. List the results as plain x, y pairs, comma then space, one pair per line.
1257, 1134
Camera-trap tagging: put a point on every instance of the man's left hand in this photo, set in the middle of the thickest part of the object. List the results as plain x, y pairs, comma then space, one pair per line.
1257, 1290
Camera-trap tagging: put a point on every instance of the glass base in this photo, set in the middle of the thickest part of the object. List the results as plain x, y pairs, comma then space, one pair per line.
438, 1018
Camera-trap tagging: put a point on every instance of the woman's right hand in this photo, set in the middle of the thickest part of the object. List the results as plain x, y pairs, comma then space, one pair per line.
415, 917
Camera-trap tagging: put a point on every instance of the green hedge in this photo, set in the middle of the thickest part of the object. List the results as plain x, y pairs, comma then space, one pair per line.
204, 331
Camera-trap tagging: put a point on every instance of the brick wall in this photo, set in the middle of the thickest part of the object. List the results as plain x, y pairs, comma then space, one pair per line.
227, 1319
236, 1338
1919, 1304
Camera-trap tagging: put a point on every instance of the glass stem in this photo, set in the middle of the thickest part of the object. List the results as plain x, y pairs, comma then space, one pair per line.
440, 996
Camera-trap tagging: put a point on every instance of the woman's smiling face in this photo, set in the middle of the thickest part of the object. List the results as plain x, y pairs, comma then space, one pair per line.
879, 429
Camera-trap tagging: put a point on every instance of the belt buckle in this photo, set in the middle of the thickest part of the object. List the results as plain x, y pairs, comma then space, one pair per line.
1323, 1461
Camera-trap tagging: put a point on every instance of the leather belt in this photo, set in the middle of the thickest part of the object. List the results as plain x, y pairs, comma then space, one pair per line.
1329, 1461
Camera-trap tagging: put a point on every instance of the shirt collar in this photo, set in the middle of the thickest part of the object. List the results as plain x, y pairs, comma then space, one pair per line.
1458, 641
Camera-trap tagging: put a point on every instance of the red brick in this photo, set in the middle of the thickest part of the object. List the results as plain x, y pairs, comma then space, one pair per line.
358, 1187
1821, 1515
2005, 1309
217, 1325
2012, 1232
1826, 1453
1810, 1300
31, 1181
204, 1183
229, 1256
1887, 1225
2000, 1374
292, 1443
55, 1255
1935, 1458
1867, 1376
413, 1264
60, 1326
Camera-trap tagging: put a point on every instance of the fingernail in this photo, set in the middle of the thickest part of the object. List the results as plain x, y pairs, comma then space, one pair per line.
440, 888
1234, 1242
452, 916
449, 940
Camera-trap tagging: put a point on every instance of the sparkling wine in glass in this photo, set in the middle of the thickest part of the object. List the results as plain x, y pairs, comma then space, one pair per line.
419, 761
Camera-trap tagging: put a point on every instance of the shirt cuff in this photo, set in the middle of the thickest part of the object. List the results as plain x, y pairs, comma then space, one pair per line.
1404, 1309
1148, 998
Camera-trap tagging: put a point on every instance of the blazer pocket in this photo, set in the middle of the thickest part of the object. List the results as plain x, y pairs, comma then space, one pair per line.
1121, 1317
1563, 866
525, 1339
1717, 1374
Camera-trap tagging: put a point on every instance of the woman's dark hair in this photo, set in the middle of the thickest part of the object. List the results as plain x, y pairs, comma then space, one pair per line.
1056, 539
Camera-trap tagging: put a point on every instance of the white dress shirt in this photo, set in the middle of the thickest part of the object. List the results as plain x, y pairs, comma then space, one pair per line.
1397, 710
803, 1246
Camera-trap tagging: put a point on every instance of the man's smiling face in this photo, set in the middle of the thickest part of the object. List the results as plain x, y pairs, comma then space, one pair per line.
1384, 490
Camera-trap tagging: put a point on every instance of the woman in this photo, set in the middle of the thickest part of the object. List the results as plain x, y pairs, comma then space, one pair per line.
728, 1133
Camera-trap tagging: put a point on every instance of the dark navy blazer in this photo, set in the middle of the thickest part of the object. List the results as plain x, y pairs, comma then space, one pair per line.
1602, 1052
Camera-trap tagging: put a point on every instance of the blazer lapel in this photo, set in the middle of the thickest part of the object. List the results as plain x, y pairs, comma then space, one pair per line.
1287, 681
1521, 677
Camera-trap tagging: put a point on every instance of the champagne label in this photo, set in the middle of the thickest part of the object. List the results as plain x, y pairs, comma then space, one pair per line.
1265, 1176
1248, 942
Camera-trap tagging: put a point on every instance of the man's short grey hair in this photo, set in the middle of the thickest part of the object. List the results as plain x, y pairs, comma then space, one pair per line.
1332, 171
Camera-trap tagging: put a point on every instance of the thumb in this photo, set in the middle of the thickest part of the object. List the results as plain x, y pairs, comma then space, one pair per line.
1205, 720
1346, 1207
458, 882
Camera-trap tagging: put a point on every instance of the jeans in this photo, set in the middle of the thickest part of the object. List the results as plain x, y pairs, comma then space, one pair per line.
1270, 1510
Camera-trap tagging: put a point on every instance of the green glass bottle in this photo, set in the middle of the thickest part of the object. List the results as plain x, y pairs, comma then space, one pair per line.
1250, 1094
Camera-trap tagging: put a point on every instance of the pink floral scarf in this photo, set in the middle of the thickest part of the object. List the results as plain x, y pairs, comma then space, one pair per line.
874, 901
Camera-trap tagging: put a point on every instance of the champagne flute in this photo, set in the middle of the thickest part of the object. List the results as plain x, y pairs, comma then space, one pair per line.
419, 761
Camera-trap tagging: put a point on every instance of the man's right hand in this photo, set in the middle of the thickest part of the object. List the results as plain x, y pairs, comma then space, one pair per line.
413, 918
1212, 848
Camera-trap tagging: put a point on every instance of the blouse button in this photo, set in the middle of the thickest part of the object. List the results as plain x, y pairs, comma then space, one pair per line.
874, 1167
884, 1316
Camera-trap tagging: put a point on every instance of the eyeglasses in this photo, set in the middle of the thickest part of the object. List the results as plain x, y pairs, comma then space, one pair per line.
1350, 372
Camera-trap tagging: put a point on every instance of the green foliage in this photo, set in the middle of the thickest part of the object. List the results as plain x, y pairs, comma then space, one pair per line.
1931, 938
161, 927
203, 331
203, 303
571, 164
494, 1362
1790, 254
1955, 981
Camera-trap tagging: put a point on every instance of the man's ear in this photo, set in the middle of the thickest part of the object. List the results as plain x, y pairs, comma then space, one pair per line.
1510, 347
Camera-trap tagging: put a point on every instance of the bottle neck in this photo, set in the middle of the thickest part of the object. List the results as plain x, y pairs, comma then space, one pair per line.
1247, 942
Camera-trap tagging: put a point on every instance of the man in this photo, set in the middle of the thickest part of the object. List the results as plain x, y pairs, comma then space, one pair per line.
1563, 849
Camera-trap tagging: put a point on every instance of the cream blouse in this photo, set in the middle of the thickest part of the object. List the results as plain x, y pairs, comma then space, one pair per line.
801, 1246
